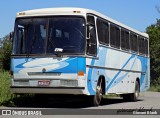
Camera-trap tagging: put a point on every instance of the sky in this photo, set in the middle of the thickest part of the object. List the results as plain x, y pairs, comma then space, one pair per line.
137, 14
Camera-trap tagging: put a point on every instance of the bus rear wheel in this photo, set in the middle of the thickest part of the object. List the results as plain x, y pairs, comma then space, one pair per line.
95, 100
134, 96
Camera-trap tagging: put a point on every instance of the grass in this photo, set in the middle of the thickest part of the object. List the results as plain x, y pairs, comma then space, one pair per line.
154, 88
7, 98
5, 91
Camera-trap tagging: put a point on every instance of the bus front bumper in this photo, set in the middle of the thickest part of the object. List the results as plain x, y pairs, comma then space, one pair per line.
48, 90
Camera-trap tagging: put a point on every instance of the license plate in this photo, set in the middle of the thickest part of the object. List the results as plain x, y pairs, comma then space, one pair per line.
44, 83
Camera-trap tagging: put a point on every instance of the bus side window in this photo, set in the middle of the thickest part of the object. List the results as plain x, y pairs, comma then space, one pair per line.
146, 47
141, 45
114, 36
103, 31
133, 42
124, 39
91, 34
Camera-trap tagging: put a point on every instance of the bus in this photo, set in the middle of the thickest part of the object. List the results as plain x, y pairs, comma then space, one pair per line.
78, 51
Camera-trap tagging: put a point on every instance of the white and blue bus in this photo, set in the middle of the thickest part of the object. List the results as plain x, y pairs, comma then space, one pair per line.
80, 52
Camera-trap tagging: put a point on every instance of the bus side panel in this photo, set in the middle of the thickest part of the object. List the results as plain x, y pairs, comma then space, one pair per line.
95, 68
120, 70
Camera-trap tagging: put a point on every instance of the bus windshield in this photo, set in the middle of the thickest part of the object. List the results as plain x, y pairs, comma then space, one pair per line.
47, 35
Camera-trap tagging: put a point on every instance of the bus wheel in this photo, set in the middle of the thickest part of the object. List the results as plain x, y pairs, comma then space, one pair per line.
96, 99
134, 96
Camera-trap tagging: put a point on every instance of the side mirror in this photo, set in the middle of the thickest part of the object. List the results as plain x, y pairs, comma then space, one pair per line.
90, 32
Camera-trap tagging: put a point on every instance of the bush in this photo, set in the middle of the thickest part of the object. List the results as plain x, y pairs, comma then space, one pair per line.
5, 91
1, 54
6, 55
158, 89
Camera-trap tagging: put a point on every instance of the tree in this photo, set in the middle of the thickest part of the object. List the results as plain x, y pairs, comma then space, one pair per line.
6, 53
154, 36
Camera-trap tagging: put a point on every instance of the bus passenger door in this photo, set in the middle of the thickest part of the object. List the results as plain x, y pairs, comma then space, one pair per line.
91, 51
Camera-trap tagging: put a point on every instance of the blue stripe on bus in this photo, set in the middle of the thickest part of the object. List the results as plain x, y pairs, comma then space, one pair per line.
144, 61
121, 78
91, 73
82, 64
110, 84
71, 68
89, 81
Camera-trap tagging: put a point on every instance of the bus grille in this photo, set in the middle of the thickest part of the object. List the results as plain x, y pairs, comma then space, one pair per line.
69, 83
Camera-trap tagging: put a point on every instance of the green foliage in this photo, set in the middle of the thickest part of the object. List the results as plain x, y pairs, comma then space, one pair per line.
5, 92
154, 88
1, 54
6, 55
154, 35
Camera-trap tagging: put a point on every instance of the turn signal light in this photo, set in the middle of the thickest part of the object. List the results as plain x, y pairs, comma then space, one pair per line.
80, 73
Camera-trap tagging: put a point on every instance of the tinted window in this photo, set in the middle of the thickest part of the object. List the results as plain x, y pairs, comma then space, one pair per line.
66, 33
103, 31
141, 44
114, 36
30, 36
124, 39
133, 42
44, 35
146, 47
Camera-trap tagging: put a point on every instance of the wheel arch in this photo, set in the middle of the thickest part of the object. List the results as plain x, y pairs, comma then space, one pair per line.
103, 83
138, 80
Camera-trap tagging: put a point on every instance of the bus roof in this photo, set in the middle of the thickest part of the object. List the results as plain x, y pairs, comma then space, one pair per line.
74, 11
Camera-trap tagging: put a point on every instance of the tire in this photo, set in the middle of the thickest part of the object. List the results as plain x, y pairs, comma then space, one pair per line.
133, 96
95, 100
